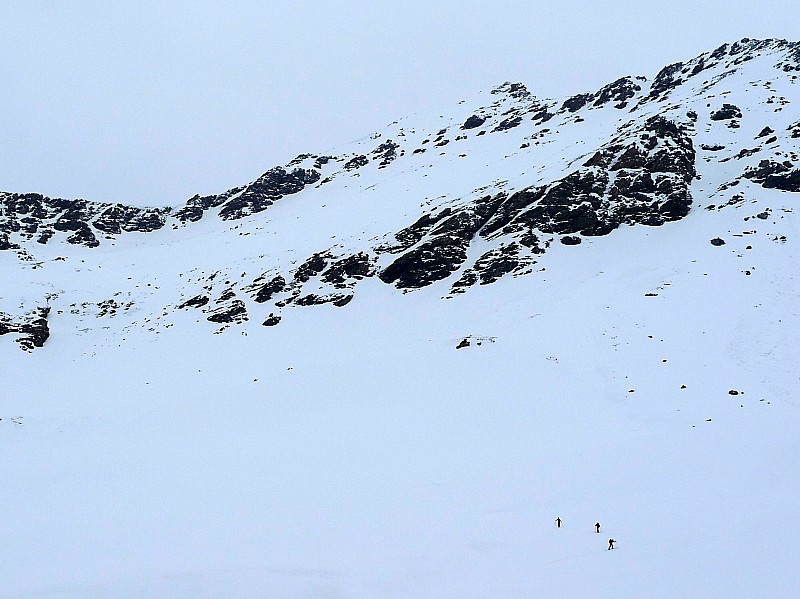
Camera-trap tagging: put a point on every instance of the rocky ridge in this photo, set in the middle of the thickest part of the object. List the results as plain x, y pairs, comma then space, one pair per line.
639, 172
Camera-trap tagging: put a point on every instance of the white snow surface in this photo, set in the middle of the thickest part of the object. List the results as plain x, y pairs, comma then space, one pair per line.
353, 452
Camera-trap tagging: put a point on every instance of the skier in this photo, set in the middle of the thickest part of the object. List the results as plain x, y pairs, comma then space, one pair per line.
597, 527
611, 544
558, 522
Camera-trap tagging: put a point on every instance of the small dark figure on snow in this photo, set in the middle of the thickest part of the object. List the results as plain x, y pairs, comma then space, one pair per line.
597, 527
558, 522
611, 544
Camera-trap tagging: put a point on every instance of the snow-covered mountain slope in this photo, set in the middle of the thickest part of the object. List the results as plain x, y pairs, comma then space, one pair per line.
529, 308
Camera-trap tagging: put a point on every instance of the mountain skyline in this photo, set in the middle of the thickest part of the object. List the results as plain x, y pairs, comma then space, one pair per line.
151, 104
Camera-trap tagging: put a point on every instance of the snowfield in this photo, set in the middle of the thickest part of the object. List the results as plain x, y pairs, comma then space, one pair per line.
645, 379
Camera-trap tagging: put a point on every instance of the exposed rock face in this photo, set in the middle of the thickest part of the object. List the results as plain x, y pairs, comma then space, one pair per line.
640, 177
196, 206
620, 91
266, 190
667, 79
386, 153
198, 301
270, 288
508, 123
775, 175
444, 250
343, 273
490, 267
271, 320
356, 162
234, 312
645, 181
728, 111
312, 299
5, 244
514, 90
312, 267
33, 214
473, 122
575, 103
764, 132
33, 326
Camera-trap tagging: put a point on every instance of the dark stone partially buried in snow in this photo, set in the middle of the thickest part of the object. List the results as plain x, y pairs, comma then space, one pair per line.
5, 244
473, 122
34, 328
37, 330
786, 182
312, 266
432, 261
490, 267
728, 111
764, 132
415, 232
236, 311
575, 103
619, 91
198, 301
571, 240
271, 320
515, 90
312, 299
717, 241
356, 162
385, 153
509, 123
270, 288
775, 175
83, 236
356, 267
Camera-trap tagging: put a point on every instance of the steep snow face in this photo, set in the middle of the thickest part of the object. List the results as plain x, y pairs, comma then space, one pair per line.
386, 370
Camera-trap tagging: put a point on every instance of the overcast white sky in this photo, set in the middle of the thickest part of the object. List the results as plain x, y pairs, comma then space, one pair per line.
151, 102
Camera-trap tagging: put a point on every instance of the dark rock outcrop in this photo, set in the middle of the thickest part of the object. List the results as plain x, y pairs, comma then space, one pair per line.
356, 162
385, 153
266, 190
444, 250
198, 301
619, 91
271, 320
351, 268
33, 327
234, 312
728, 111
775, 175
509, 123
640, 177
473, 122
270, 288
575, 103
